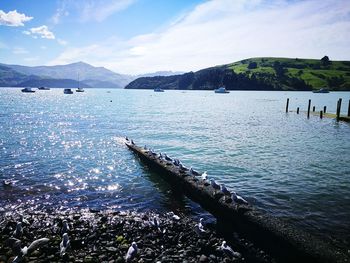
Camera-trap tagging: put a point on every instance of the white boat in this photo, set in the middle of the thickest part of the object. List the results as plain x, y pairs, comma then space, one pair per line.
28, 90
221, 90
68, 91
79, 88
158, 90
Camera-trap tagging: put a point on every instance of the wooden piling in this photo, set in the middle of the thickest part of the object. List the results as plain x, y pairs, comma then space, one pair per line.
308, 109
349, 109
338, 108
324, 109
313, 109
287, 105
321, 114
298, 110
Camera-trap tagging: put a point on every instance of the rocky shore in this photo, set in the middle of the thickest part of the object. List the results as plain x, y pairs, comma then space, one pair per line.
106, 236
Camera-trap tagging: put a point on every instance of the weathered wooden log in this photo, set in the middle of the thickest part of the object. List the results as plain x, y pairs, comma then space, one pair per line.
284, 241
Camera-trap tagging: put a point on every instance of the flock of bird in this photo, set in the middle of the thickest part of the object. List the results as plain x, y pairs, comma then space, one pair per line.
20, 252
204, 176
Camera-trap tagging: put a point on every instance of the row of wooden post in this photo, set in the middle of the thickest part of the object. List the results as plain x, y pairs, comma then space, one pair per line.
324, 109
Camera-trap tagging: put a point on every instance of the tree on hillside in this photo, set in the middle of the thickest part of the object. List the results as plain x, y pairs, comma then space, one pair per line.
252, 65
325, 61
279, 69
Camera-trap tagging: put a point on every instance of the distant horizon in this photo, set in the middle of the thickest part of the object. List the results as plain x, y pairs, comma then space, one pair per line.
136, 37
179, 72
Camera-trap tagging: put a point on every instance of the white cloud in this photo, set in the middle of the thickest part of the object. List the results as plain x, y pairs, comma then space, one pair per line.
19, 51
41, 31
224, 31
99, 10
13, 18
62, 42
89, 10
3, 45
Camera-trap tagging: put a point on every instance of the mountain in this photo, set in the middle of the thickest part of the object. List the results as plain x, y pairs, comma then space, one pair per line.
258, 74
160, 73
11, 78
98, 77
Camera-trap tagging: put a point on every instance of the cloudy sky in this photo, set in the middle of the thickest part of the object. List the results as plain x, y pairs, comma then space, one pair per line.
141, 36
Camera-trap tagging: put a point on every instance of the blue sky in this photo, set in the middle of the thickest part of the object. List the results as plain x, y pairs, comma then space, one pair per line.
140, 36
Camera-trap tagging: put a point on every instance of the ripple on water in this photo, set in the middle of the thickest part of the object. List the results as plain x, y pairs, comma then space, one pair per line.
68, 152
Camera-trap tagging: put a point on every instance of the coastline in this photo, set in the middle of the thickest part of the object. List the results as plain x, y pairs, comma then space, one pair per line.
105, 236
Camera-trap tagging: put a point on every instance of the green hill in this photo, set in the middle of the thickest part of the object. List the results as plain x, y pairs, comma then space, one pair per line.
316, 73
258, 74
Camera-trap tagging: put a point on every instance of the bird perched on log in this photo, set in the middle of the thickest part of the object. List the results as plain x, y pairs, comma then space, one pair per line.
238, 199
167, 158
132, 252
214, 185
229, 251
194, 172
204, 176
224, 190
64, 245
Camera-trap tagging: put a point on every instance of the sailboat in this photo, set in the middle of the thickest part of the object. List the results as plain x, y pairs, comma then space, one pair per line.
79, 88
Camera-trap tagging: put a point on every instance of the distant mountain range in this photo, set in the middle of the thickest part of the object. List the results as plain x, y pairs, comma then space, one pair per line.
258, 74
65, 76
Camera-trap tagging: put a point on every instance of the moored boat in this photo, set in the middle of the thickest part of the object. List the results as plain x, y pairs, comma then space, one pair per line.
221, 90
28, 90
43, 88
68, 91
323, 90
158, 90
80, 90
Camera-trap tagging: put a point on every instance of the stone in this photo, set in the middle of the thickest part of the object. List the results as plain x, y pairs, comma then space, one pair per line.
203, 258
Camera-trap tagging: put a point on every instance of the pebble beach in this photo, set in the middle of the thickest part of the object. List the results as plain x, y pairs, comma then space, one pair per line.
105, 236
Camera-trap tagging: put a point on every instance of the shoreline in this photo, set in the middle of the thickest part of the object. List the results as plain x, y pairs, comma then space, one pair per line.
105, 236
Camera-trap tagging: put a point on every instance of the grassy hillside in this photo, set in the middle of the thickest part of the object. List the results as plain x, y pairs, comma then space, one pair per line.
258, 74
334, 75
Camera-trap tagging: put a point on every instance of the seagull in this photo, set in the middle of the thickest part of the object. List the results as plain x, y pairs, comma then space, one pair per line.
224, 190
182, 167
21, 252
8, 182
18, 231
214, 184
155, 222
194, 172
229, 251
238, 199
65, 227
23, 220
168, 158
204, 176
145, 147
199, 228
176, 162
173, 216
64, 245
132, 251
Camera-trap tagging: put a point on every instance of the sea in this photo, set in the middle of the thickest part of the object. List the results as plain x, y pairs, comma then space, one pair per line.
67, 151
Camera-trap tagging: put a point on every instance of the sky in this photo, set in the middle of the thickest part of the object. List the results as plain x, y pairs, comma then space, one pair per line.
144, 36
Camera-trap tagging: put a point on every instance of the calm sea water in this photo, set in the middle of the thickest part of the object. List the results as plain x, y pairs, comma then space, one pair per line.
67, 151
